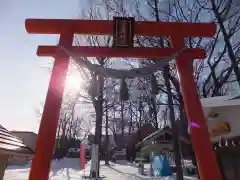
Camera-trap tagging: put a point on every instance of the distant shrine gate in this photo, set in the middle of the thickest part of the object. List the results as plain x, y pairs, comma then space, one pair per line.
176, 31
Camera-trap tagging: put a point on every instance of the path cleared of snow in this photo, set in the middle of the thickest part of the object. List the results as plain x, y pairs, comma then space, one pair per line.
68, 169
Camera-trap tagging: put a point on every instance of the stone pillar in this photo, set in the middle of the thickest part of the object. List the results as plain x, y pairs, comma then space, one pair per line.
3, 164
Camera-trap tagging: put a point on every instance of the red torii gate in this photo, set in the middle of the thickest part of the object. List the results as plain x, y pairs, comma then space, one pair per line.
177, 31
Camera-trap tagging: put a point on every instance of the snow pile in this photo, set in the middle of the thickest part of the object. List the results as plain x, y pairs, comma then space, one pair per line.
69, 169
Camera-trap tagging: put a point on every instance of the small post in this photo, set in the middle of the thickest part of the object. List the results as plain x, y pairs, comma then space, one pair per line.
3, 165
82, 156
141, 167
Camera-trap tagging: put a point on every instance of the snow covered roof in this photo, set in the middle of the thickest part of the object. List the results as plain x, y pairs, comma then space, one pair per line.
11, 145
157, 134
23, 132
221, 101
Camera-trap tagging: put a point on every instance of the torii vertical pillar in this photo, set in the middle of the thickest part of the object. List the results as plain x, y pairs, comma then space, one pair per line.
48, 126
202, 145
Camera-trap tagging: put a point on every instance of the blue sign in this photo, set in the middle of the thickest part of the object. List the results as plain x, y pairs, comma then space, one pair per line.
161, 166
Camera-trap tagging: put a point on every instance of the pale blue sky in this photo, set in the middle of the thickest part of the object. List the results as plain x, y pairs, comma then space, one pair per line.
23, 81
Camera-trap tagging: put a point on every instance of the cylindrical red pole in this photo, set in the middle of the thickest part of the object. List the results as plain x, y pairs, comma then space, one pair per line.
82, 156
201, 141
48, 127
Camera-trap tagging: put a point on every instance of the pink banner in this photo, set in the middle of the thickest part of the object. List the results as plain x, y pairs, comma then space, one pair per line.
82, 156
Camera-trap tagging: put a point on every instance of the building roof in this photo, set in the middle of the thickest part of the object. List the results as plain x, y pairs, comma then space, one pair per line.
157, 134
23, 132
220, 101
11, 145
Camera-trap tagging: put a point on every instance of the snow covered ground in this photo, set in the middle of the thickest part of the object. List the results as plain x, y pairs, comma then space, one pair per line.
68, 169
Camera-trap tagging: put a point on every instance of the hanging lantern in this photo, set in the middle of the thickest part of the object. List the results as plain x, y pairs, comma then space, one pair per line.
154, 85
109, 92
150, 112
124, 96
134, 95
140, 106
94, 88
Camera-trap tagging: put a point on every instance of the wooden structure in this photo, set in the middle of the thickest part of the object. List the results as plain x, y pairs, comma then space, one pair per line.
11, 146
159, 142
176, 31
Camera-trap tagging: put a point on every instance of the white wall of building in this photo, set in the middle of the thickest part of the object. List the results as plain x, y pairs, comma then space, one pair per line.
231, 115
28, 138
228, 111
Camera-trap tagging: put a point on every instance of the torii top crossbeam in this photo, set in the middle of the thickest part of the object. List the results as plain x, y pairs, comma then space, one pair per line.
105, 27
177, 31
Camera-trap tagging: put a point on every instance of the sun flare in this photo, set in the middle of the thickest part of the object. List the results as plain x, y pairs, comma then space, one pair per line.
73, 82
